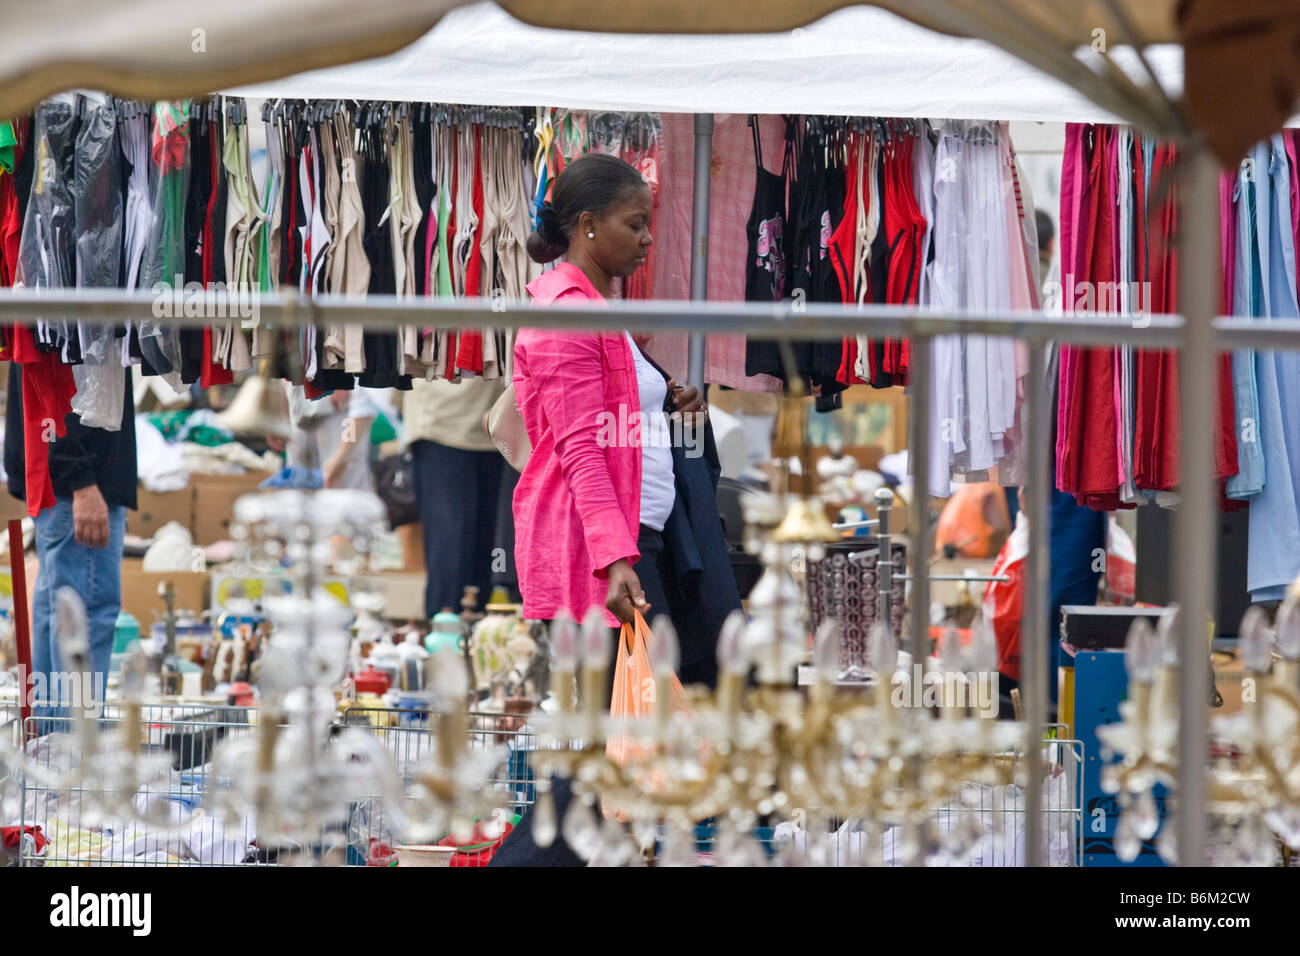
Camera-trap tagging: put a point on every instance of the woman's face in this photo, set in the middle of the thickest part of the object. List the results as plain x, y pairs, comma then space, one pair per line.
623, 237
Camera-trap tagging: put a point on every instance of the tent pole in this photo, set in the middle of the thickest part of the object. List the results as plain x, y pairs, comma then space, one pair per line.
1196, 525
1035, 647
919, 409
700, 240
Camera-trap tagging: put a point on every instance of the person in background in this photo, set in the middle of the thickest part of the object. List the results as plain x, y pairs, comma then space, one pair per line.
458, 474
1046, 245
332, 433
79, 538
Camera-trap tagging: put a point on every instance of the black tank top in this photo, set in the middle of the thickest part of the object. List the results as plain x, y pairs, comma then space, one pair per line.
765, 273
767, 268
380, 347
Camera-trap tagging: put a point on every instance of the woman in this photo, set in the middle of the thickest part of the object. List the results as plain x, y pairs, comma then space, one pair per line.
609, 509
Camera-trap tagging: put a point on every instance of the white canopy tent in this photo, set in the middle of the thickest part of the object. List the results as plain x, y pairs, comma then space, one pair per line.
856, 61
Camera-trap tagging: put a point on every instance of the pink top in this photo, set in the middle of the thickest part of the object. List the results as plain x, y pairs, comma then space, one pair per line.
577, 506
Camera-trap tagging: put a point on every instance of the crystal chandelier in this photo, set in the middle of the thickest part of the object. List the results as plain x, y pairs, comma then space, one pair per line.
764, 753
1254, 767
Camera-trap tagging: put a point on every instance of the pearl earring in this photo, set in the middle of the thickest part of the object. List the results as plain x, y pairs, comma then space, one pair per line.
591, 235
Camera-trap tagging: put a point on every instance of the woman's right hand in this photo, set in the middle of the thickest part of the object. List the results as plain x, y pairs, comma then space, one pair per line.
625, 595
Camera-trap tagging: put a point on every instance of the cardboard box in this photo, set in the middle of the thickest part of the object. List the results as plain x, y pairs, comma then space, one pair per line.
412, 538
155, 508
11, 508
140, 591
403, 593
948, 592
214, 503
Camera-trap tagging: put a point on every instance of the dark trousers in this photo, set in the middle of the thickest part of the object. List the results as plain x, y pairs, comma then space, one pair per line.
456, 493
649, 571
504, 573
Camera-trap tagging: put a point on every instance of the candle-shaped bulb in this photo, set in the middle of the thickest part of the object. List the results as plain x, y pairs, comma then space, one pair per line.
564, 643
984, 647
1288, 629
595, 640
732, 657
450, 679
1167, 639
73, 632
131, 682
665, 654
826, 653
950, 652
1140, 652
884, 650
1253, 643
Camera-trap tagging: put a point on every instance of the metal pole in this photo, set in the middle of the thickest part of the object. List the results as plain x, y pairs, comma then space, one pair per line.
884, 556
821, 321
1034, 644
918, 453
700, 240
1199, 292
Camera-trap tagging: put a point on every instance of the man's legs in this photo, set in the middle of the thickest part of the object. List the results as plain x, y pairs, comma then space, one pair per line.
95, 574
44, 653
448, 496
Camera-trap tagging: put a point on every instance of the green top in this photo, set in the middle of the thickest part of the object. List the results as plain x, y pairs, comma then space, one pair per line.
444, 258
8, 142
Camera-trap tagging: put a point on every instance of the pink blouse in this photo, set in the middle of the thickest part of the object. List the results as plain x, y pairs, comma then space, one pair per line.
578, 502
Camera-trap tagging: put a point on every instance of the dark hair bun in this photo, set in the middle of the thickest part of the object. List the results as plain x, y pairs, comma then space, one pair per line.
547, 242
593, 183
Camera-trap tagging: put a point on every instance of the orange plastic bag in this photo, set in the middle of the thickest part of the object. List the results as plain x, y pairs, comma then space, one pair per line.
975, 521
634, 689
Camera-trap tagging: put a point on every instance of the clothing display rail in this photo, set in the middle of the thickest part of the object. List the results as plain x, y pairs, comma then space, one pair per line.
785, 320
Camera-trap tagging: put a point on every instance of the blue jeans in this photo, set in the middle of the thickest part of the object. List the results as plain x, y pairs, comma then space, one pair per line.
96, 575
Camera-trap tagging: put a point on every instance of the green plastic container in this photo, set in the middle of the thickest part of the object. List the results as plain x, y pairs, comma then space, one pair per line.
445, 633
126, 631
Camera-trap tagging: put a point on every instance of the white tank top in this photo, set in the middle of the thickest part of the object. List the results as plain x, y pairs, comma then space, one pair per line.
658, 492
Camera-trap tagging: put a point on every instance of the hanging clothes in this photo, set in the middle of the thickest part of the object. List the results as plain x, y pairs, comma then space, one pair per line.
976, 381
766, 269
100, 379
1087, 459
46, 258
731, 185
214, 370
380, 347
1117, 424
349, 269
1274, 542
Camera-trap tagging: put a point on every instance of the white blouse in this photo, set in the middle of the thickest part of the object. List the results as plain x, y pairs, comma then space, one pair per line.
658, 491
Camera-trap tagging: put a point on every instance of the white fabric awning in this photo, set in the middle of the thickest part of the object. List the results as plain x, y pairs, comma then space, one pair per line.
859, 60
